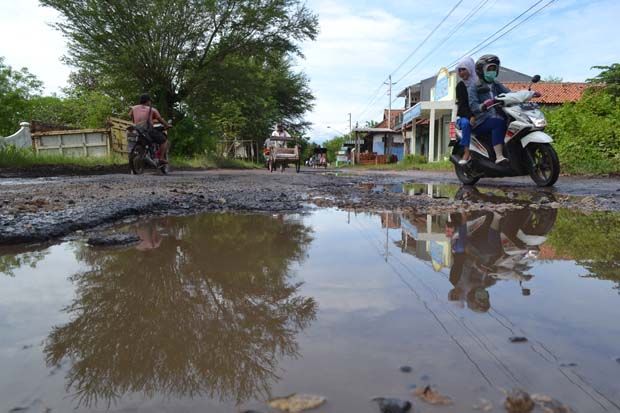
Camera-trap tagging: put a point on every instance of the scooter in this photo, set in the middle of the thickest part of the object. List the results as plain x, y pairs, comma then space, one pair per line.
526, 145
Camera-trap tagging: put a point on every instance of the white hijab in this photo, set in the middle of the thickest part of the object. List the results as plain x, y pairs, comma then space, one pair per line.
468, 63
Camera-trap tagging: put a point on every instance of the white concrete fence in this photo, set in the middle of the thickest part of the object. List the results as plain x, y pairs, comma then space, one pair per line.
82, 142
21, 139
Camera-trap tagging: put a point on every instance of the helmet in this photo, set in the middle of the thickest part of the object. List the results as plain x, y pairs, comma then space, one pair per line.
484, 61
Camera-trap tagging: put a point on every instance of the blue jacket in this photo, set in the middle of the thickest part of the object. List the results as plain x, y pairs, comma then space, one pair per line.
477, 94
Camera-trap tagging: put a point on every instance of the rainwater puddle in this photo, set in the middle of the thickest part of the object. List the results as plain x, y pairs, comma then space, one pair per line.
469, 193
219, 312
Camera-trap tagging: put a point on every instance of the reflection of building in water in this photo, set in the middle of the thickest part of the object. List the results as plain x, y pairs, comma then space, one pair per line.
424, 236
432, 190
390, 220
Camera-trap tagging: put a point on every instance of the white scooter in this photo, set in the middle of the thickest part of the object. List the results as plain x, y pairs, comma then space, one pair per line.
526, 145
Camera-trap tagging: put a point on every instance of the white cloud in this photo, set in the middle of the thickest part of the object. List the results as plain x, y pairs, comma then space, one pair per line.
29, 41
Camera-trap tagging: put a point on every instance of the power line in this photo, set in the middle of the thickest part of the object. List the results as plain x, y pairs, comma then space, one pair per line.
427, 37
375, 94
469, 52
515, 26
457, 27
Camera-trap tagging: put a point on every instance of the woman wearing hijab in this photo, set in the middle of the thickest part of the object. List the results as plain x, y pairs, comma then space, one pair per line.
488, 120
466, 70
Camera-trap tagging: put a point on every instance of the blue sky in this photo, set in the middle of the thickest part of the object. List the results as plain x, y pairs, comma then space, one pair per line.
362, 42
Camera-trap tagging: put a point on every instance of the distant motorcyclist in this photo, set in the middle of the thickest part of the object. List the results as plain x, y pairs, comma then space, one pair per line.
144, 114
481, 97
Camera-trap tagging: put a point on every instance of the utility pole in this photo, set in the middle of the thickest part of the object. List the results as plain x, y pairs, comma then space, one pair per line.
350, 129
389, 83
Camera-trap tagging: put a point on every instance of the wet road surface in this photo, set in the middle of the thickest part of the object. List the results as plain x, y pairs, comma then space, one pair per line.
219, 312
40, 209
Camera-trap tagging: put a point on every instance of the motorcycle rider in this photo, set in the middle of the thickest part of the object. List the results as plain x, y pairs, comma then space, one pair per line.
139, 115
467, 72
481, 97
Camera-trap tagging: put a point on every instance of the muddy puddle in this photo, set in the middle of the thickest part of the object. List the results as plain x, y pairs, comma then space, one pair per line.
460, 192
221, 312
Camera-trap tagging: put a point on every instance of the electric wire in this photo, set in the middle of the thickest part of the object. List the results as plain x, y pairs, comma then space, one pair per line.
515, 26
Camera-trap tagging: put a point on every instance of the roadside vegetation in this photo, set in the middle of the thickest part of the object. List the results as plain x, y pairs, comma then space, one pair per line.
238, 85
12, 157
586, 133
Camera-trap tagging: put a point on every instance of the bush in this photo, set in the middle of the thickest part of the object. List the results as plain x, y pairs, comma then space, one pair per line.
414, 159
586, 133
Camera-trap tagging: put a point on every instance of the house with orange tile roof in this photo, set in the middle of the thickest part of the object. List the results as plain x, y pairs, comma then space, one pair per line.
430, 108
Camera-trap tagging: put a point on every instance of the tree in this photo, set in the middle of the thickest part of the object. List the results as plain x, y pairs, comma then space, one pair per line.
552, 79
170, 47
211, 312
610, 77
16, 87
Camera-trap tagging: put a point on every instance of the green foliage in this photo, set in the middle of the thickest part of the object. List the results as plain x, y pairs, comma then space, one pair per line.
12, 157
11, 262
333, 146
307, 150
86, 110
586, 133
16, 87
610, 77
221, 67
592, 240
414, 159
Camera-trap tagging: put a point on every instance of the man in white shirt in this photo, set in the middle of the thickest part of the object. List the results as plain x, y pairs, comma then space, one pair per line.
278, 133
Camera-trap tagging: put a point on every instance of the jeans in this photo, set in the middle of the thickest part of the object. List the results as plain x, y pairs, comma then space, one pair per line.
465, 131
495, 126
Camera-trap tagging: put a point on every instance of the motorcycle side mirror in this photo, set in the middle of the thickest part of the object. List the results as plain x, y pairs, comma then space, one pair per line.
483, 89
526, 291
536, 79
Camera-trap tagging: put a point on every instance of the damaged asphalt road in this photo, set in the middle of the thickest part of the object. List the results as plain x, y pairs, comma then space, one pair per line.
36, 210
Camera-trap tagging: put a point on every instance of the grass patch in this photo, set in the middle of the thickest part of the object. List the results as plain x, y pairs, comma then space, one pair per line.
12, 157
207, 161
408, 166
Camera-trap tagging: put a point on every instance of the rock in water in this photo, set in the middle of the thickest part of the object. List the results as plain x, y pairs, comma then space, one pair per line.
390, 405
113, 240
296, 403
518, 401
432, 396
550, 405
517, 339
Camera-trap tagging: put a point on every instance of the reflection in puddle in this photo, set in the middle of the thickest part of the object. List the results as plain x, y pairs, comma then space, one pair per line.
209, 313
462, 193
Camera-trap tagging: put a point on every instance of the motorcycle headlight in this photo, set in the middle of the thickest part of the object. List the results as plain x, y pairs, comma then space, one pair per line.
539, 122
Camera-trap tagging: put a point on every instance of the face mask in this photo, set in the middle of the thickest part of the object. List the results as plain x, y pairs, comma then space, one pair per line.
490, 76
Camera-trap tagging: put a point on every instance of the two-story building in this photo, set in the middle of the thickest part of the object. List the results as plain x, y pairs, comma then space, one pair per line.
430, 107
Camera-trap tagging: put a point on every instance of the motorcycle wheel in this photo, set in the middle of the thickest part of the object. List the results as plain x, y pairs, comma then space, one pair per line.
545, 168
136, 159
298, 166
271, 166
281, 167
540, 222
465, 177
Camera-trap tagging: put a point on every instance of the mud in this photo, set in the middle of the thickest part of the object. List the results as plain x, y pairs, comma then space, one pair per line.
36, 210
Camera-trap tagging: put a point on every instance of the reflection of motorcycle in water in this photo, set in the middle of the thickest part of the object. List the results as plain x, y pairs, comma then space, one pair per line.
488, 247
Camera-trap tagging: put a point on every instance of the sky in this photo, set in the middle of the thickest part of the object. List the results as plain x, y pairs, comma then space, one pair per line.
361, 42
